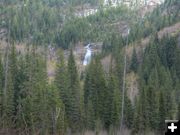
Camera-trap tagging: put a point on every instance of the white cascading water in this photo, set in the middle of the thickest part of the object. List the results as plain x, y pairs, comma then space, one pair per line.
87, 57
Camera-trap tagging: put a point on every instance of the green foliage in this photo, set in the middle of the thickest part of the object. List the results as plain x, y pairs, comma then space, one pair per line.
102, 96
56, 112
31, 104
73, 112
156, 20
157, 100
162, 112
1, 88
128, 112
178, 116
61, 78
134, 61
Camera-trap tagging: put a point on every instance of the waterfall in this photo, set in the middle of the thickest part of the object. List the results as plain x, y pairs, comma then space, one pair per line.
87, 57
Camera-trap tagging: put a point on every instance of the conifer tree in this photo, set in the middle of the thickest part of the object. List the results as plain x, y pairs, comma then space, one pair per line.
1, 89
152, 108
8, 100
177, 62
108, 101
13, 68
8, 104
140, 116
88, 105
99, 91
135, 127
61, 78
134, 61
114, 88
20, 79
73, 111
56, 111
33, 101
161, 113
128, 112
151, 59
178, 115
90, 116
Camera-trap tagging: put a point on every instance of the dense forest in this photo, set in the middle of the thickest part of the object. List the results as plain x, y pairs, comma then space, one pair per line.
88, 99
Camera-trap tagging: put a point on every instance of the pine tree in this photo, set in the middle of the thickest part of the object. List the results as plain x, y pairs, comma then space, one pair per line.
116, 100
152, 107
8, 99
161, 113
90, 116
56, 112
108, 103
8, 107
128, 112
135, 124
61, 78
88, 105
177, 62
13, 68
178, 115
1, 89
100, 90
39, 94
32, 101
97, 93
20, 79
152, 103
140, 116
134, 61
73, 112
151, 60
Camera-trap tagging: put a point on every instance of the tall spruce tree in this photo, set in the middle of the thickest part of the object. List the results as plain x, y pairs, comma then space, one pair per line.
56, 112
1, 89
178, 114
134, 61
9, 100
128, 112
161, 113
61, 78
73, 112
88, 105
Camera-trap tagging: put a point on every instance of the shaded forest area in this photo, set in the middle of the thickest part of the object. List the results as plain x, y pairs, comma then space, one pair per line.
74, 103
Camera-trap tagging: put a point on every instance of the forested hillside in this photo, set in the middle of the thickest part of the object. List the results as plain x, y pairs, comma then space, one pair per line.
130, 87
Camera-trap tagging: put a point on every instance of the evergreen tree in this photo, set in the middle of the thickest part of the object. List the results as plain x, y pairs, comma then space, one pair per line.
134, 61
61, 79
140, 116
151, 59
73, 111
8, 98
128, 112
177, 62
161, 113
88, 105
56, 111
152, 108
108, 103
90, 116
114, 87
32, 102
1, 89
178, 115
8, 104
13, 68
135, 126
